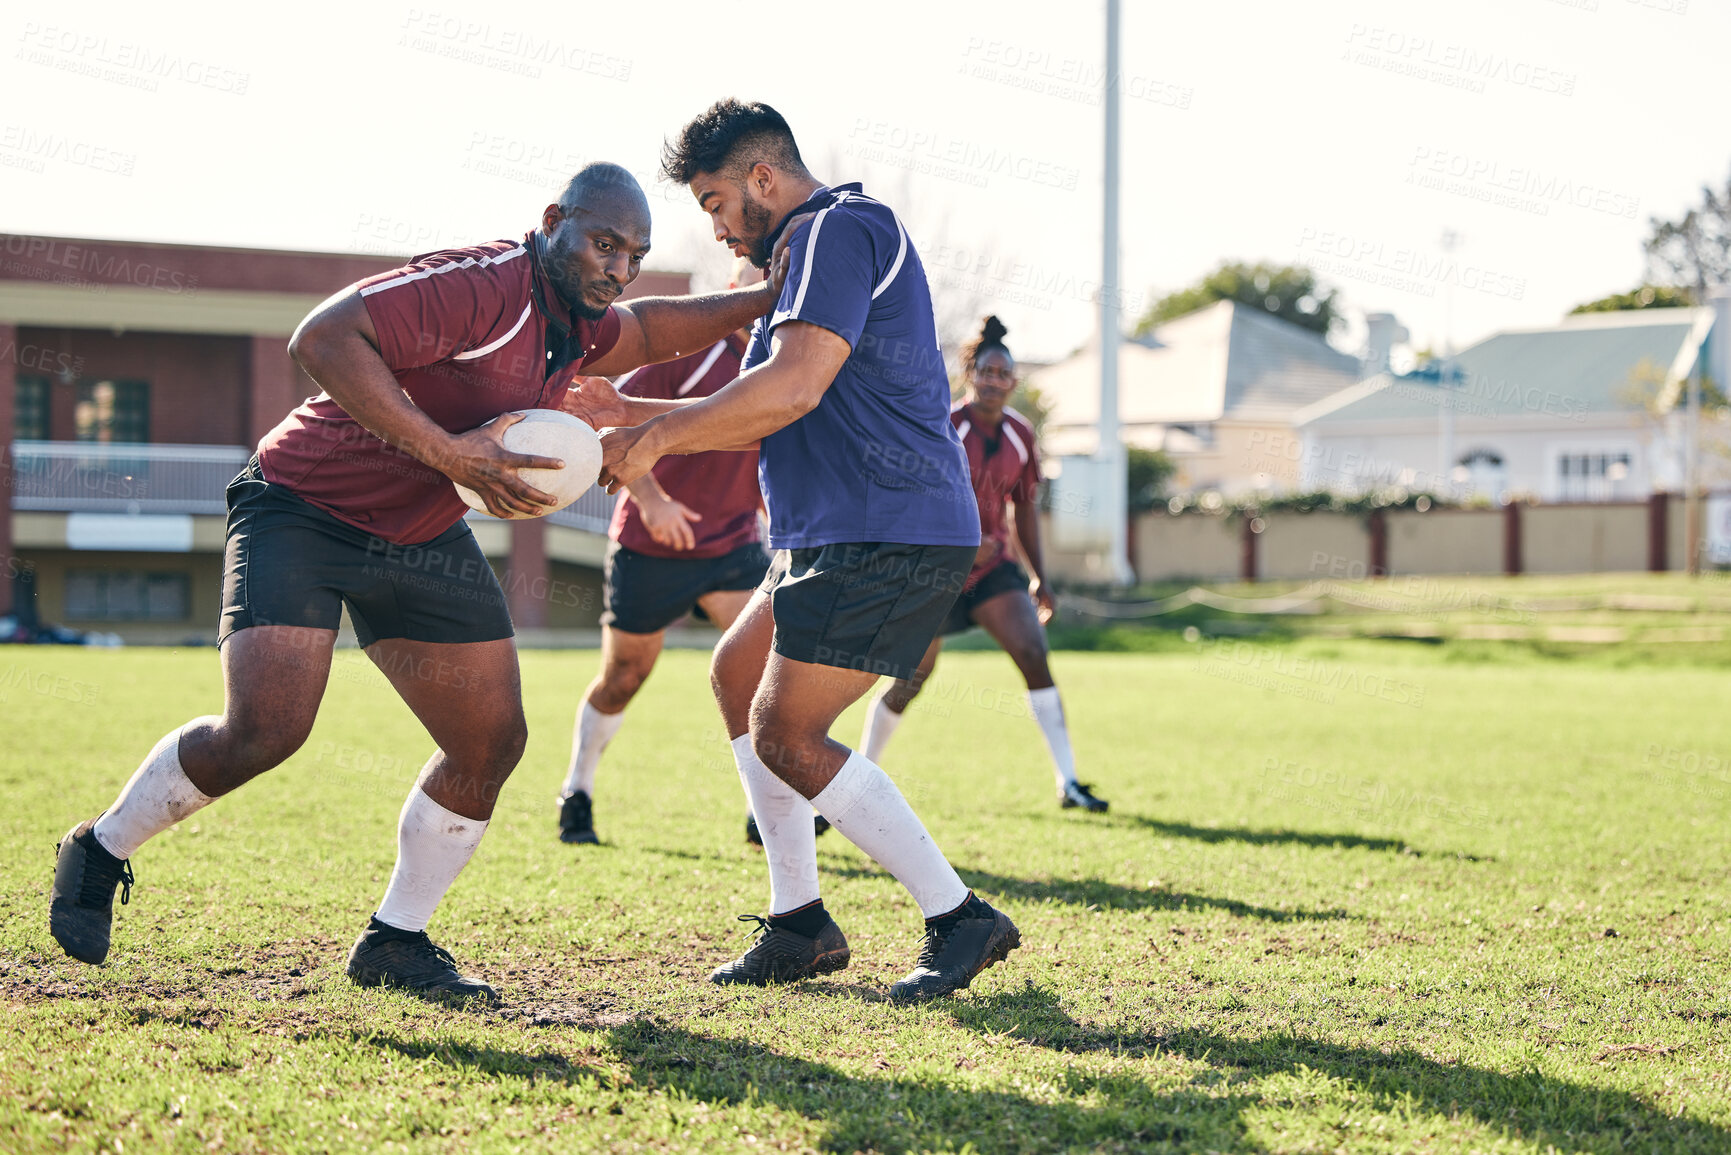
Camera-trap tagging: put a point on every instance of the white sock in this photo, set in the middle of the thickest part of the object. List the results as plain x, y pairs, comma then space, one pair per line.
880, 723
433, 846
588, 738
784, 821
158, 795
866, 807
1049, 713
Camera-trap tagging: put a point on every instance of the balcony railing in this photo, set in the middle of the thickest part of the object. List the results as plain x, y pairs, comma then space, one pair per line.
591, 512
75, 476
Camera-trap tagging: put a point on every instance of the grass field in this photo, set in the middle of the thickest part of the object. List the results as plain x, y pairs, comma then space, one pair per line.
1352, 896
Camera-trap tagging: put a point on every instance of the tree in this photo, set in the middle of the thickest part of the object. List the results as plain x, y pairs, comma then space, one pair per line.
1645, 297
1148, 472
1290, 292
1695, 249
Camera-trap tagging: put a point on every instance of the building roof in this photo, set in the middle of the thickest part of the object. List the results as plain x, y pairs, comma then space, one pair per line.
1578, 366
1224, 361
146, 285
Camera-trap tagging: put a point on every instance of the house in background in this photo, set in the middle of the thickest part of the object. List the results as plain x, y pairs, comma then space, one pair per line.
135, 380
1216, 389
1587, 409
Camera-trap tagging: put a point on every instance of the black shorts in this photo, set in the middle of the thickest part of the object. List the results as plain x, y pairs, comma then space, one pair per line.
872, 606
289, 563
1001, 578
644, 594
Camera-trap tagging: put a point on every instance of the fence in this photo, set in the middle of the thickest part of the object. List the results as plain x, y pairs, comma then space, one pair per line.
1588, 537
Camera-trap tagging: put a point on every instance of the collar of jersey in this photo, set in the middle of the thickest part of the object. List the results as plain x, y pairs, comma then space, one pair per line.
821, 199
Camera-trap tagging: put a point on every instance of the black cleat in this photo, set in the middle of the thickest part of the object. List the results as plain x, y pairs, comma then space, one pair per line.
819, 826
81, 910
956, 949
407, 960
1076, 794
577, 819
781, 956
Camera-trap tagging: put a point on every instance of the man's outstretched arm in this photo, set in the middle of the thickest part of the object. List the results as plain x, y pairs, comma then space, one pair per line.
655, 329
775, 394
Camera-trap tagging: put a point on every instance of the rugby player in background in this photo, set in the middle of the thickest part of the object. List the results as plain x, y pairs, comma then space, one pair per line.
1004, 462
684, 538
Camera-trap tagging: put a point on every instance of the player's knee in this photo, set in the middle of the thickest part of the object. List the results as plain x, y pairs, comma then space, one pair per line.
506, 741
902, 693
1030, 658
254, 743
781, 748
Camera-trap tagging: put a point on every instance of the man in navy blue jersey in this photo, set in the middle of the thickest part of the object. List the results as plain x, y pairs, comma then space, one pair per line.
872, 523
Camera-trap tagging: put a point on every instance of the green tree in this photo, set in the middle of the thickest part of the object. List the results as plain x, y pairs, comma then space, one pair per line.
1290, 292
1148, 472
1645, 297
1695, 249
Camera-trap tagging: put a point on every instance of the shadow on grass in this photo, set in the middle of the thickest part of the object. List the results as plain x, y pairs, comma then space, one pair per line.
490, 1061
1255, 837
1100, 894
1208, 1112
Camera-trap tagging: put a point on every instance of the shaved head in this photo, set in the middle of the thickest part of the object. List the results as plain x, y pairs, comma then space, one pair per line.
603, 184
597, 236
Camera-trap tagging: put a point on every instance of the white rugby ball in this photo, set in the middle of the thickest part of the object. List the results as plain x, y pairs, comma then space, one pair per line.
550, 433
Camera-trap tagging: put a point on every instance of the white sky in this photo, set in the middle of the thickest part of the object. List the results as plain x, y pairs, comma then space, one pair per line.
1288, 130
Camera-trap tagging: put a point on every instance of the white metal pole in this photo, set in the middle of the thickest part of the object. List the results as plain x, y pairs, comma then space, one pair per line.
1111, 449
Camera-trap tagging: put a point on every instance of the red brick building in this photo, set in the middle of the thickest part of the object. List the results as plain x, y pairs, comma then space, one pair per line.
134, 381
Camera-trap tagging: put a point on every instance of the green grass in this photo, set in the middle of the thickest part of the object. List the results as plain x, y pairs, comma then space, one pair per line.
1351, 896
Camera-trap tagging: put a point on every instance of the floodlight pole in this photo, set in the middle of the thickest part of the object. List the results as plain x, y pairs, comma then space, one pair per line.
1110, 451
1692, 438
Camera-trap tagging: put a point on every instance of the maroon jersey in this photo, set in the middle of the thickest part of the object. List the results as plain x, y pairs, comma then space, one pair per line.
1005, 468
470, 334
720, 486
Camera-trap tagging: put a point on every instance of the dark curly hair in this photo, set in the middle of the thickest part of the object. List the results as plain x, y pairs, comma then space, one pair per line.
991, 336
730, 136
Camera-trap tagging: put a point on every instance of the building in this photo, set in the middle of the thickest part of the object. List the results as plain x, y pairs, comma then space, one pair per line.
136, 379
1583, 410
1216, 389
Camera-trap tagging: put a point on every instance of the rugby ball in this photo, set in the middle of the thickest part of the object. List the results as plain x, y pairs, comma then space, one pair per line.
550, 433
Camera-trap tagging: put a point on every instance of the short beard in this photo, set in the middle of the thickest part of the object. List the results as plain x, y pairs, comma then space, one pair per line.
589, 312
757, 224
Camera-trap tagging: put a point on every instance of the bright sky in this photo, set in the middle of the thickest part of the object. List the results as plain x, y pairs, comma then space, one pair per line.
1347, 134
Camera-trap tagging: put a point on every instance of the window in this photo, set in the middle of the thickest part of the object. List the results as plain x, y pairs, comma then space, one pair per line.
113, 412
31, 410
127, 596
1591, 475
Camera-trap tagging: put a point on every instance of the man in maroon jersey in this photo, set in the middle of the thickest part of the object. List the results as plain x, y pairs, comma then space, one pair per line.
349, 502
684, 538
999, 597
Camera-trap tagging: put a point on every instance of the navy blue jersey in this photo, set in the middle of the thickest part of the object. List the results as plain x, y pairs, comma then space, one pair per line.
878, 459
